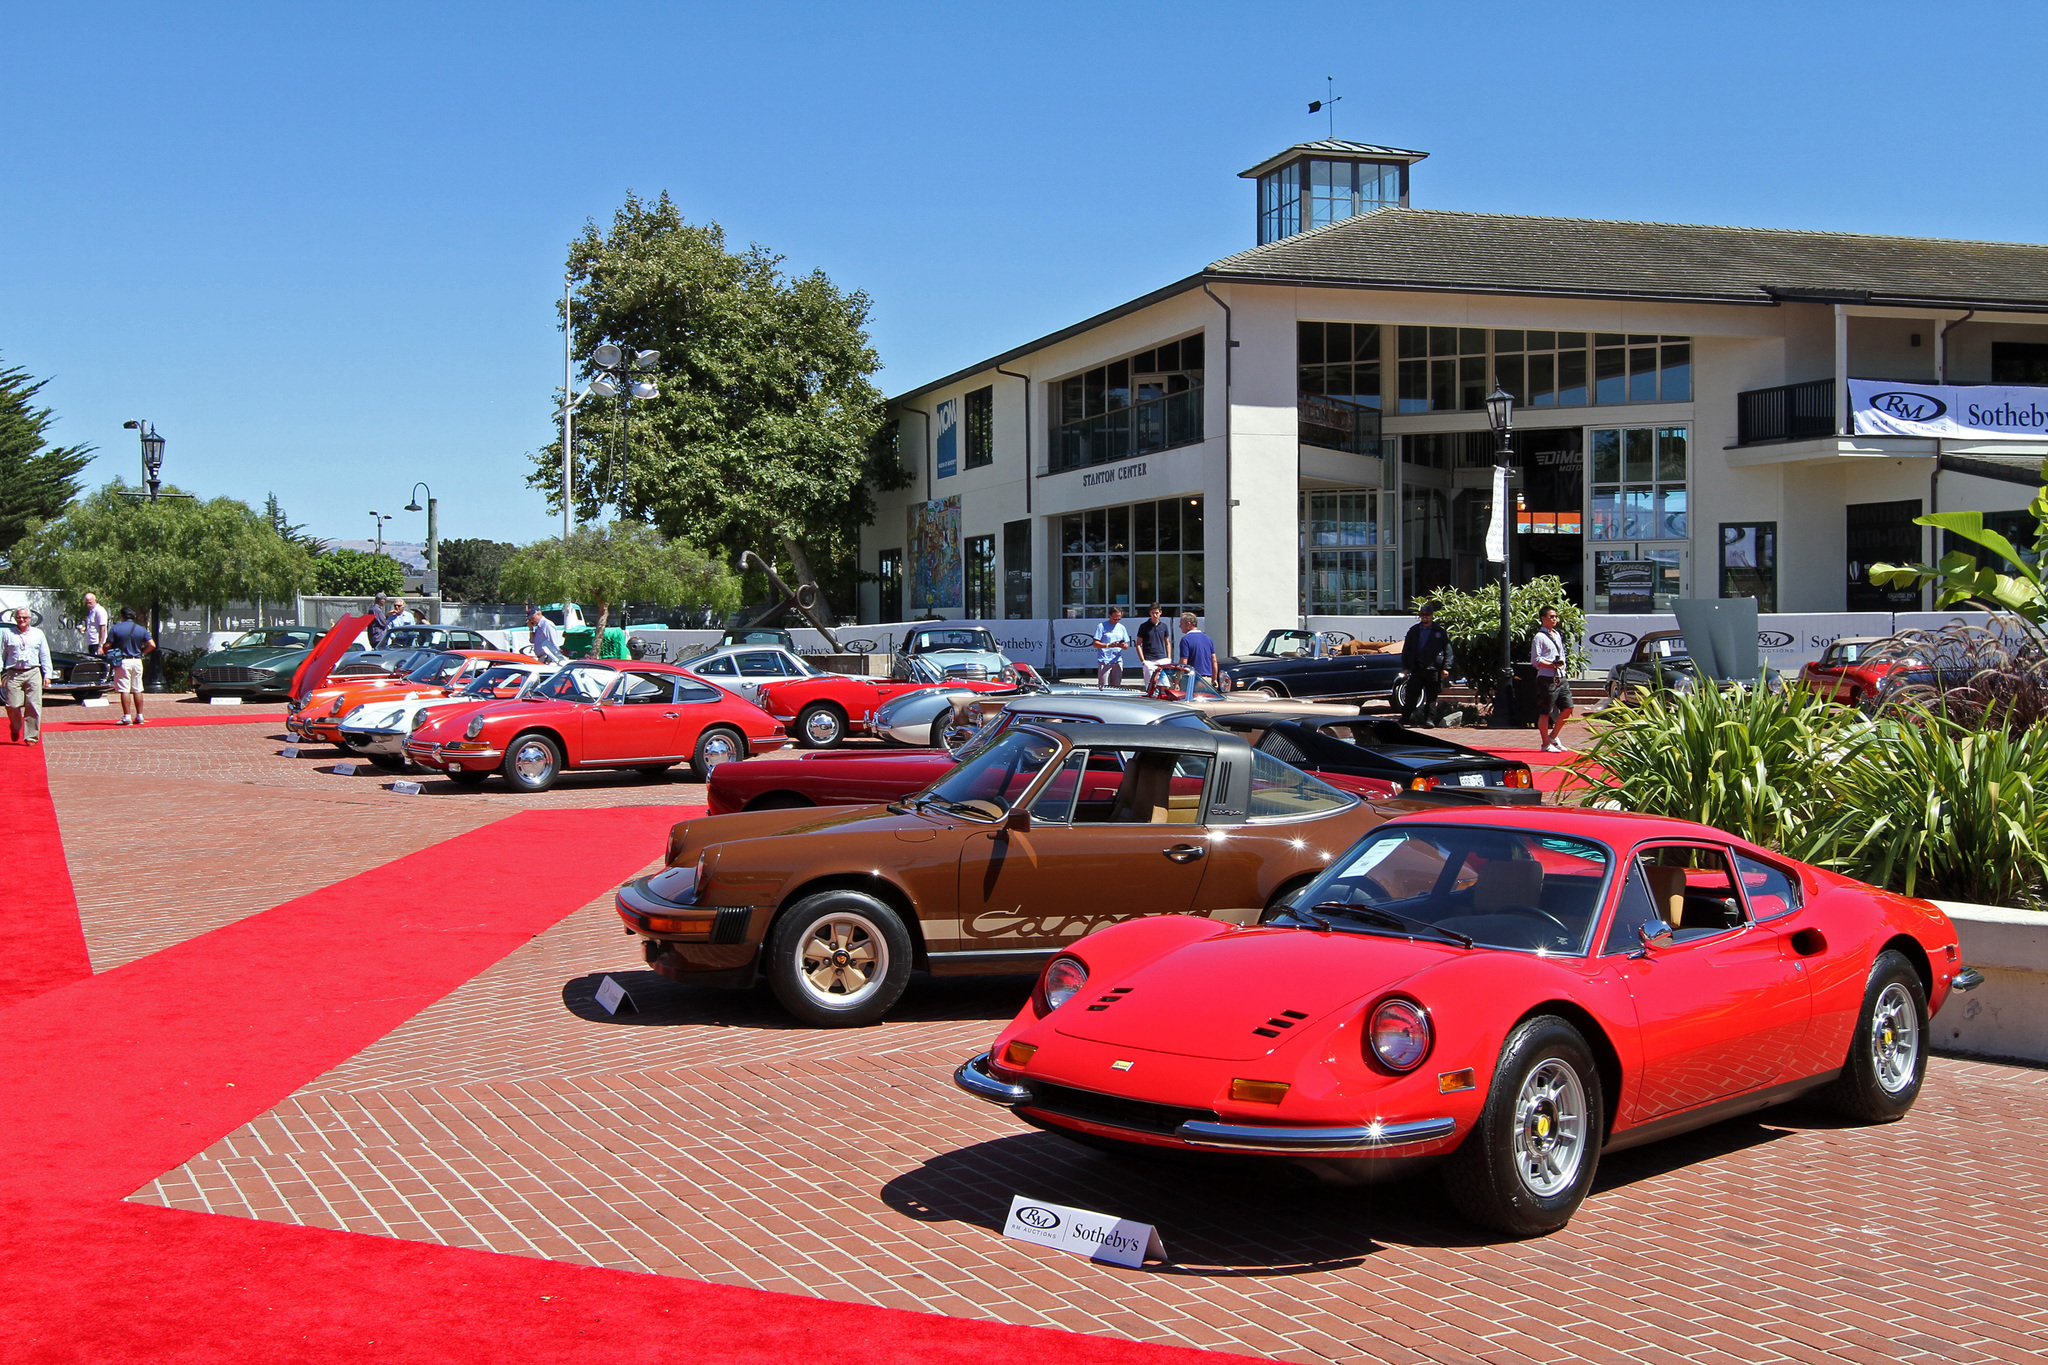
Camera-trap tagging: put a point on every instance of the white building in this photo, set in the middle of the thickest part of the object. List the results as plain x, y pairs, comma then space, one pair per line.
1297, 431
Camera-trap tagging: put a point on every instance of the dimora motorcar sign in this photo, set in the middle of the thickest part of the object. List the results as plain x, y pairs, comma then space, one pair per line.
1890, 408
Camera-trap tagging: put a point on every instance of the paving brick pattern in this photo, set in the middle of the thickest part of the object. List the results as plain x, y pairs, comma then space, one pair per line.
704, 1136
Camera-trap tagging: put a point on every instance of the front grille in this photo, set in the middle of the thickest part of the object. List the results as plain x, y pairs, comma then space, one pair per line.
1114, 1110
88, 671
729, 925
232, 674
971, 672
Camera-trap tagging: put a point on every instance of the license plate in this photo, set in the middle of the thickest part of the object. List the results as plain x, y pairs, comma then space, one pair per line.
1471, 779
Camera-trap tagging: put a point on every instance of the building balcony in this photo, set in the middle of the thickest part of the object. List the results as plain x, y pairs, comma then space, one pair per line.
1338, 424
1789, 412
1140, 429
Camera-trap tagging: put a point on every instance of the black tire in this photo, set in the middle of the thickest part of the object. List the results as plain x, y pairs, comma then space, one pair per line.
203, 696
1882, 1075
533, 762
1523, 1170
718, 744
780, 801
866, 972
653, 769
464, 777
821, 725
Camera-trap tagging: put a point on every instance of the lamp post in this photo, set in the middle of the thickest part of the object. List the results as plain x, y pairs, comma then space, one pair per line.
152, 472
614, 380
433, 538
381, 517
1500, 415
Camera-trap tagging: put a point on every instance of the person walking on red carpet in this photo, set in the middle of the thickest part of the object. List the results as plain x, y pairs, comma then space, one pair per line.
127, 644
25, 665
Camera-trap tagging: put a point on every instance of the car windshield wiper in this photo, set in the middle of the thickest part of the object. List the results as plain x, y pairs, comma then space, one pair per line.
1374, 914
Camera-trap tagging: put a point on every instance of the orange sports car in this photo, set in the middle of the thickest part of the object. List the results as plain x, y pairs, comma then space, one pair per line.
318, 719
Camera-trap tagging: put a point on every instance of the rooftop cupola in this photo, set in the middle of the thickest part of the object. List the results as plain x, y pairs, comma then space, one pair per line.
1314, 184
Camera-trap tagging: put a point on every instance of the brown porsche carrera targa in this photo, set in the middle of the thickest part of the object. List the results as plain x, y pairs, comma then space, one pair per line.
1045, 835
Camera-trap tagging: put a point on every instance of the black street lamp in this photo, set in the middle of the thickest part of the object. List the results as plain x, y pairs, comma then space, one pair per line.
433, 584
152, 472
1500, 415
615, 380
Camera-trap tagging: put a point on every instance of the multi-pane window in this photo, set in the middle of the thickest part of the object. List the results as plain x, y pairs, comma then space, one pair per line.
981, 578
1446, 369
1340, 540
1141, 403
1639, 483
1017, 570
1340, 360
1280, 203
1344, 189
1132, 556
889, 573
981, 428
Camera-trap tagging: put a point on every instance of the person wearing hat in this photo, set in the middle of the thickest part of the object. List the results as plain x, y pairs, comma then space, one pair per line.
1426, 654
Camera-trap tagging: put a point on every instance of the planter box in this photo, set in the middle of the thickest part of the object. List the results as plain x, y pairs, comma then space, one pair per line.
2007, 1016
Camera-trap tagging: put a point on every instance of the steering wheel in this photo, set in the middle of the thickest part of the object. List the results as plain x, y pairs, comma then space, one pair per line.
1563, 930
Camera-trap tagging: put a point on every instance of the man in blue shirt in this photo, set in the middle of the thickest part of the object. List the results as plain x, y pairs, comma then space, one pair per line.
547, 641
1198, 652
1111, 640
127, 644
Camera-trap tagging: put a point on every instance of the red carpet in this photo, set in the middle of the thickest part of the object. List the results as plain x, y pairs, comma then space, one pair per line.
38, 916
109, 1081
226, 716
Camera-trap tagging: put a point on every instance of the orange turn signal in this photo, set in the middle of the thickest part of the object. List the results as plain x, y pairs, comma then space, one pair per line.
1259, 1092
1450, 1082
1422, 784
670, 924
1016, 1054
1519, 777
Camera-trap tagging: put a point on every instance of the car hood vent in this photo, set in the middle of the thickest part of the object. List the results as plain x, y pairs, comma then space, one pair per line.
1112, 998
1280, 1023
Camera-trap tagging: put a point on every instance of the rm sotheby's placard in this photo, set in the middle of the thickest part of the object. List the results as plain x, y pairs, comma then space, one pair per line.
1097, 1236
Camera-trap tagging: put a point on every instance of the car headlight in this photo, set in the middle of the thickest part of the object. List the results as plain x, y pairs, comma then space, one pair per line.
1064, 976
419, 718
476, 728
335, 709
1399, 1034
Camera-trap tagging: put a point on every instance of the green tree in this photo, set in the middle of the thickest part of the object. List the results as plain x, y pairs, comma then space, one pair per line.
469, 569
184, 550
764, 436
621, 561
273, 512
1958, 578
36, 478
1472, 620
357, 573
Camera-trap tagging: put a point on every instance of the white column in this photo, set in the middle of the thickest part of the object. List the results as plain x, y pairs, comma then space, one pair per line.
1841, 370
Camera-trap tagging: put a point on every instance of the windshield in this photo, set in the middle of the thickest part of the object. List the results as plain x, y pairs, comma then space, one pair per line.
924, 641
496, 682
988, 784
1671, 647
1501, 888
1286, 643
437, 668
555, 614
275, 639
410, 637
576, 684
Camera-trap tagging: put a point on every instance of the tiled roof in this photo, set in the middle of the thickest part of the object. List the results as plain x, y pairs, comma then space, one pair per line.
1577, 257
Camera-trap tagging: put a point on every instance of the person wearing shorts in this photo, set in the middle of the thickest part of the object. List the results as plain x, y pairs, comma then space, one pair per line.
1548, 654
127, 643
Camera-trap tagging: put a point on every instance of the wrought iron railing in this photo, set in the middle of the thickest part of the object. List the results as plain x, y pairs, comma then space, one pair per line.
1790, 412
1159, 424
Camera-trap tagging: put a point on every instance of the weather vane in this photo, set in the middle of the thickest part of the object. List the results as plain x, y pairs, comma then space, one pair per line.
1329, 102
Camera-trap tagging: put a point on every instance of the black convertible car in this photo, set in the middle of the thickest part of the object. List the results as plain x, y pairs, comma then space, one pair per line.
83, 676
1662, 661
1299, 663
1383, 758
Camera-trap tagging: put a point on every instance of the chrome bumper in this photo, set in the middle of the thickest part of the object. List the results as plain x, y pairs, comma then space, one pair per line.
374, 741
434, 756
972, 1076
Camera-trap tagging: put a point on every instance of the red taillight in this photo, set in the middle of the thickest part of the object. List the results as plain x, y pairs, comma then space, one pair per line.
1519, 777
1421, 784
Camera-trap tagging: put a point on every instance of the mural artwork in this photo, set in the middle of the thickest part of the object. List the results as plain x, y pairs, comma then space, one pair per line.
936, 575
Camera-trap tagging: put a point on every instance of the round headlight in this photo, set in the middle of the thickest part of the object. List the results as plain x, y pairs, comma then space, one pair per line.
419, 718
1399, 1034
1063, 977
335, 709
476, 727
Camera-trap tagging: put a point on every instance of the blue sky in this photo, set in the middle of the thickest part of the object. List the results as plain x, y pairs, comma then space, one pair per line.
320, 247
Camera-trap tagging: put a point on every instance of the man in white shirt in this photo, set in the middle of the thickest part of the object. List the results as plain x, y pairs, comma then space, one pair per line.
1111, 640
96, 625
547, 641
25, 665
1550, 657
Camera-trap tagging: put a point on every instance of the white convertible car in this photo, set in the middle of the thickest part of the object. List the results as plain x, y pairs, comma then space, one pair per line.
378, 729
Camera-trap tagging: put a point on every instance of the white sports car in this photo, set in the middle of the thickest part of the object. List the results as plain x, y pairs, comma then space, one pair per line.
378, 729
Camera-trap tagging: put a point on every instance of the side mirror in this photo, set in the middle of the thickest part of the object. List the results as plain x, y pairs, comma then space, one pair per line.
1655, 934
1019, 819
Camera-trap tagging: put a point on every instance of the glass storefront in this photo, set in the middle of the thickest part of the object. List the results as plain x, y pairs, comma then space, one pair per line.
1341, 536
1132, 556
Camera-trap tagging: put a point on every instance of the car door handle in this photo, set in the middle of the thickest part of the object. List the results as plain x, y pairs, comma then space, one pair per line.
670, 715
1183, 853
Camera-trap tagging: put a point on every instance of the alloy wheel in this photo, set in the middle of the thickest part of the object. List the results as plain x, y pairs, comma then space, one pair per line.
842, 958
1894, 1039
1550, 1128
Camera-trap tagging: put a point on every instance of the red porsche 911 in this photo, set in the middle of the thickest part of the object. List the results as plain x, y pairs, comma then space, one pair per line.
1504, 993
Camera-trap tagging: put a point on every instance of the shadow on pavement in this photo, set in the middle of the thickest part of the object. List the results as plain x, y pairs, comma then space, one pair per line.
662, 1003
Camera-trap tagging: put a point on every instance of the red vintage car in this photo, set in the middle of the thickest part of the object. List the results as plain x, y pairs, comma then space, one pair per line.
597, 714
1506, 992
822, 710
1845, 672
317, 719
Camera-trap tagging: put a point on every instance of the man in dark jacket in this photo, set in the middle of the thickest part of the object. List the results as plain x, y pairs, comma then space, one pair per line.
1426, 654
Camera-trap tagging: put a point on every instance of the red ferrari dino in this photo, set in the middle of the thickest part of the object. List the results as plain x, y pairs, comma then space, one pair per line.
1508, 993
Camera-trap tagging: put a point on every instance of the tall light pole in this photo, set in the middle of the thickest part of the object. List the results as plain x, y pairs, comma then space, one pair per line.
152, 471
1500, 415
433, 537
381, 517
614, 380
568, 407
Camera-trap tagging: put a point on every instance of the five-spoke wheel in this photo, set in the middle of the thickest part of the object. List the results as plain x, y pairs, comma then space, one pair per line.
840, 959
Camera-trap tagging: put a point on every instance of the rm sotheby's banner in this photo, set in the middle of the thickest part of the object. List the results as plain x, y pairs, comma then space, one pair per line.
1893, 408
1098, 1236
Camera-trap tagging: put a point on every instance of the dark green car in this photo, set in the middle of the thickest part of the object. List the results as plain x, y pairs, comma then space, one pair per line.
258, 663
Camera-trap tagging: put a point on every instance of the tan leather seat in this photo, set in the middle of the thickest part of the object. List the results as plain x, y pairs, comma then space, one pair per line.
1667, 892
1505, 882
1144, 795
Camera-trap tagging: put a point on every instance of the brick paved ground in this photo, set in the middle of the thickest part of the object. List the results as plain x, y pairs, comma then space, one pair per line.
704, 1136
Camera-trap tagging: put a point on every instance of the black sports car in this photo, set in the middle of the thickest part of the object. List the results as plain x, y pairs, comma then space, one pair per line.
1661, 662
1383, 758
1300, 663
83, 676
